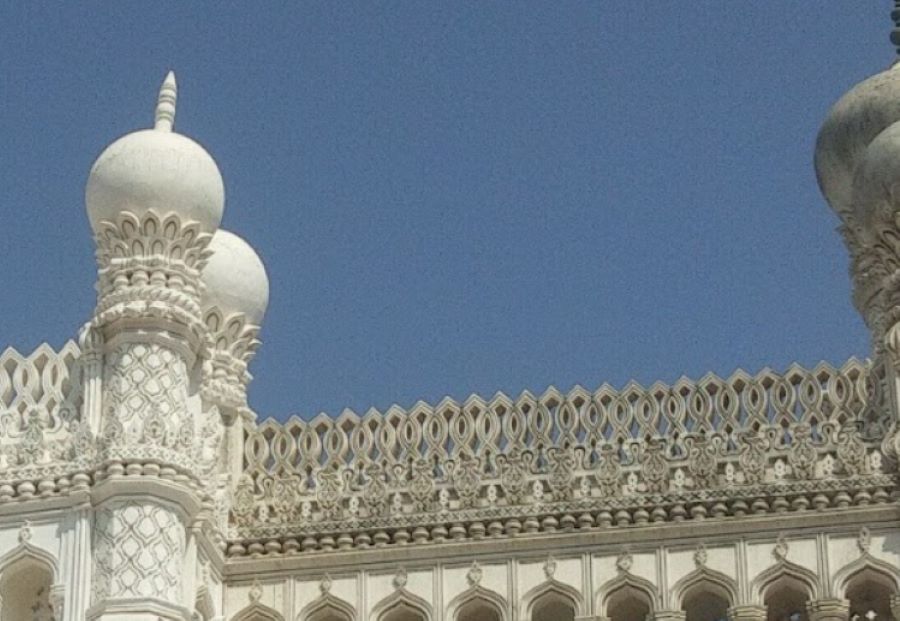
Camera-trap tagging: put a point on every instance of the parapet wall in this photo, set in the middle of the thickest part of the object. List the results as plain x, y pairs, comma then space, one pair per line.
749, 444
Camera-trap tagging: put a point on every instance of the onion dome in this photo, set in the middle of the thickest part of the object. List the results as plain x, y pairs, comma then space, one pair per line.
156, 169
235, 279
852, 123
876, 185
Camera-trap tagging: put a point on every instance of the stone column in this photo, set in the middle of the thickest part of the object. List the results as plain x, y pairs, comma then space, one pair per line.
149, 486
747, 612
828, 610
154, 199
668, 615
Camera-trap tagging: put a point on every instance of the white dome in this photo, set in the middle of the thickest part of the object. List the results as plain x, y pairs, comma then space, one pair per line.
156, 169
852, 123
876, 185
235, 278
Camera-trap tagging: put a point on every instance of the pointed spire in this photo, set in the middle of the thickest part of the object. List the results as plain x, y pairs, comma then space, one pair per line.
165, 105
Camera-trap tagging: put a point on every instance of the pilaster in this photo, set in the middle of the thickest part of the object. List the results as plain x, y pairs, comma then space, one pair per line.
747, 613
828, 610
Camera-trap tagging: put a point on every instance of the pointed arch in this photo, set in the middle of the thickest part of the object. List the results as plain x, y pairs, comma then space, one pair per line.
704, 594
401, 598
721, 585
324, 603
868, 584
258, 612
28, 551
784, 569
474, 595
883, 571
552, 588
28, 579
627, 580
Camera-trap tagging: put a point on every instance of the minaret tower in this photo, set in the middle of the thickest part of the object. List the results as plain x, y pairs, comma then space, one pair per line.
154, 199
857, 159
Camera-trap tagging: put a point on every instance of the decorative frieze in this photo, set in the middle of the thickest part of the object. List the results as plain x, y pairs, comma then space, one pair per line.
713, 448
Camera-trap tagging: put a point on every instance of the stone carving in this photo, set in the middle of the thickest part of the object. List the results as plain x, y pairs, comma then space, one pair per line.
703, 461
700, 556
25, 533
475, 574
234, 343
145, 393
514, 469
549, 567
864, 540
654, 467
400, 578
803, 454
255, 593
851, 450
624, 562
150, 266
609, 472
325, 584
780, 551
754, 456
138, 551
708, 443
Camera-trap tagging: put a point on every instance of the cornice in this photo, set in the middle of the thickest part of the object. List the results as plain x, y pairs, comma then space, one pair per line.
684, 535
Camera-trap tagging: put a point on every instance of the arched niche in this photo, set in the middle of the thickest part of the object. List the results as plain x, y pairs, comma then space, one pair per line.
477, 604
868, 583
785, 589
627, 598
401, 605
552, 601
327, 608
27, 578
705, 595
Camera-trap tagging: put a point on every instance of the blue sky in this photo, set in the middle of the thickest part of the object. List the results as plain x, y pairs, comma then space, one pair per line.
461, 197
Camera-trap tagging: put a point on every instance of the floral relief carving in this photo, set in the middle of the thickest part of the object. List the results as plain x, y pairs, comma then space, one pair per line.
802, 455
489, 468
654, 466
754, 456
851, 451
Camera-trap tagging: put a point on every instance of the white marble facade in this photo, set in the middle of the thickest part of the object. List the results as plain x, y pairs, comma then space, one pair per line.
136, 483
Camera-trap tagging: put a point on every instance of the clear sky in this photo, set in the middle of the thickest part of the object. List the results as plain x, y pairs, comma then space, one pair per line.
461, 197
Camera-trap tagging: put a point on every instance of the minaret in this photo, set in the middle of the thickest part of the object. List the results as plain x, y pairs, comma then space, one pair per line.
154, 198
234, 301
857, 159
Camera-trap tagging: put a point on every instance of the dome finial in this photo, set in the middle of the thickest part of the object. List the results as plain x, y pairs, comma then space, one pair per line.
165, 105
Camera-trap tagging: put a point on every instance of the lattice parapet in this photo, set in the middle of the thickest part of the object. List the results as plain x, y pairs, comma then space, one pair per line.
635, 454
40, 404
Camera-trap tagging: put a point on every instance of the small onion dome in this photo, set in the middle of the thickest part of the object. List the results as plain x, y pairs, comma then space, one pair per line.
156, 169
852, 123
876, 185
235, 278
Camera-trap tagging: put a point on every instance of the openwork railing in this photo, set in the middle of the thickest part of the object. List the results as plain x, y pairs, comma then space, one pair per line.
40, 399
561, 453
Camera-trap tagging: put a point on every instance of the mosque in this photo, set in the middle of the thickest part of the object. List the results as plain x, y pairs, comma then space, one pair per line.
137, 484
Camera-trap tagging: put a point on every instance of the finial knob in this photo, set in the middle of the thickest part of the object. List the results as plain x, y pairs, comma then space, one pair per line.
165, 105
